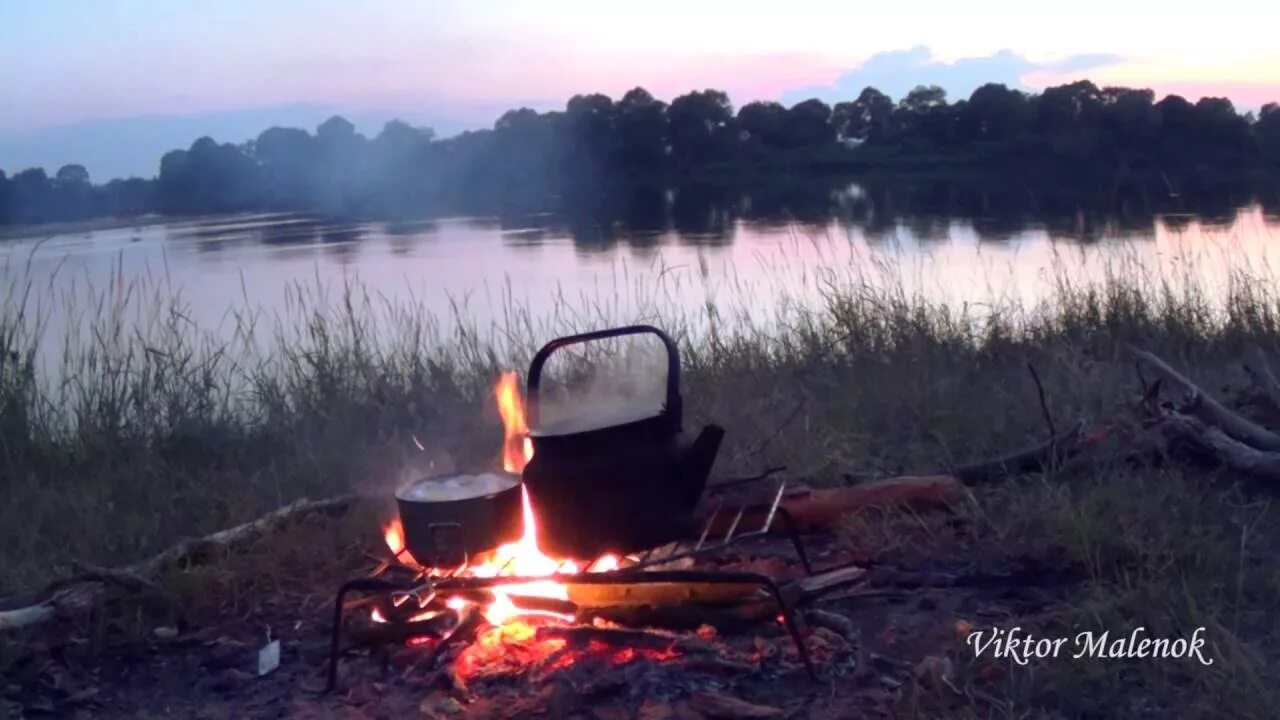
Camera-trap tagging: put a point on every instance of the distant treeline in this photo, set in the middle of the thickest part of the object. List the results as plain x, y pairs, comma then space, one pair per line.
1077, 131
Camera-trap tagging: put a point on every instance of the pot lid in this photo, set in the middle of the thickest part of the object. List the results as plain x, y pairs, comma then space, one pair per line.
451, 488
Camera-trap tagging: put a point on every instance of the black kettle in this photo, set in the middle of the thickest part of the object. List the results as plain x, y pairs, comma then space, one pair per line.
616, 488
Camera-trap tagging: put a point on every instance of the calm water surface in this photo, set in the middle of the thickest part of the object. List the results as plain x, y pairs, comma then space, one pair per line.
595, 271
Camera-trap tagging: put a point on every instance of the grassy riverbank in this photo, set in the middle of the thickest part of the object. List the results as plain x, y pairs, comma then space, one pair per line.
146, 435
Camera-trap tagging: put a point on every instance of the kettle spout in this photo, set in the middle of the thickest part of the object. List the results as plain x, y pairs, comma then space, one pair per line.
698, 461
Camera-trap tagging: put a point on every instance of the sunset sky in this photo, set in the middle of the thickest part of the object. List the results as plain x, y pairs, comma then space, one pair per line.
460, 63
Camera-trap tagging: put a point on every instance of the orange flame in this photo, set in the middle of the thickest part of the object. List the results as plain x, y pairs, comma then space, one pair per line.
517, 448
393, 533
522, 557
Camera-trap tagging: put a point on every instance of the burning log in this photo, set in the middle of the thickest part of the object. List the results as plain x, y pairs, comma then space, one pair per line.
545, 604
463, 633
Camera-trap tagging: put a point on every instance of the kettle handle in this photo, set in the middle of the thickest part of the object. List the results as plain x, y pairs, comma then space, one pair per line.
673, 406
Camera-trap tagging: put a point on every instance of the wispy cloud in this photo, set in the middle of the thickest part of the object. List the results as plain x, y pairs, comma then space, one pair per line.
896, 72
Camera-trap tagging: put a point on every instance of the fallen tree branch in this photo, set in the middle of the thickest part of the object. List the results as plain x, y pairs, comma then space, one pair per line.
237, 535
1209, 411
1226, 450
88, 588
1044, 409
1051, 453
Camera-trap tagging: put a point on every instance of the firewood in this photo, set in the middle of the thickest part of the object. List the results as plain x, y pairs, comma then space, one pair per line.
597, 596
820, 508
814, 586
1209, 411
542, 604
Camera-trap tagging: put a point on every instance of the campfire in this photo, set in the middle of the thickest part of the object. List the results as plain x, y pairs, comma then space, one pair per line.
521, 558
519, 609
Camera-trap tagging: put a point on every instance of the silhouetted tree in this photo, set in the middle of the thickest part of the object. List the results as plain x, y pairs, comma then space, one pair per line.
590, 124
288, 158
866, 118
809, 124
208, 178
1267, 130
398, 168
994, 112
642, 130
764, 123
922, 98
31, 195
1076, 131
5, 207
697, 124
73, 193
1130, 118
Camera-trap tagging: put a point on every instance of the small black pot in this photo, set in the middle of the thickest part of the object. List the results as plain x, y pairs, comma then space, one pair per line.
450, 518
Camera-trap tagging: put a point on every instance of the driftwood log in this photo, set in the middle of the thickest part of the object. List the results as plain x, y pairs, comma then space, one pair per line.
1223, 448
1202, 406
88, 588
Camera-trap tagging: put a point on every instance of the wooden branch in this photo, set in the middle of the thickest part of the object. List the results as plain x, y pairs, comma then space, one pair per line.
1051, 453
1225, 449
1209, 411
237, 535
1255, 364
88, 589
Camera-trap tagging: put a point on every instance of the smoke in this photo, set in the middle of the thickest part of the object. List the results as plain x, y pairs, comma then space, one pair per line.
591, 388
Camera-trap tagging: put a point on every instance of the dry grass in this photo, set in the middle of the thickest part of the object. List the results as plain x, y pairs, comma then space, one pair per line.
149, 433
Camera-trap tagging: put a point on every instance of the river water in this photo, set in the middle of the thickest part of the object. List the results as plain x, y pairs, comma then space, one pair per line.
655, 255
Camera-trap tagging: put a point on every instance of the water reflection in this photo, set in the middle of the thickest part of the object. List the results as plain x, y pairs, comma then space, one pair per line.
643, 217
